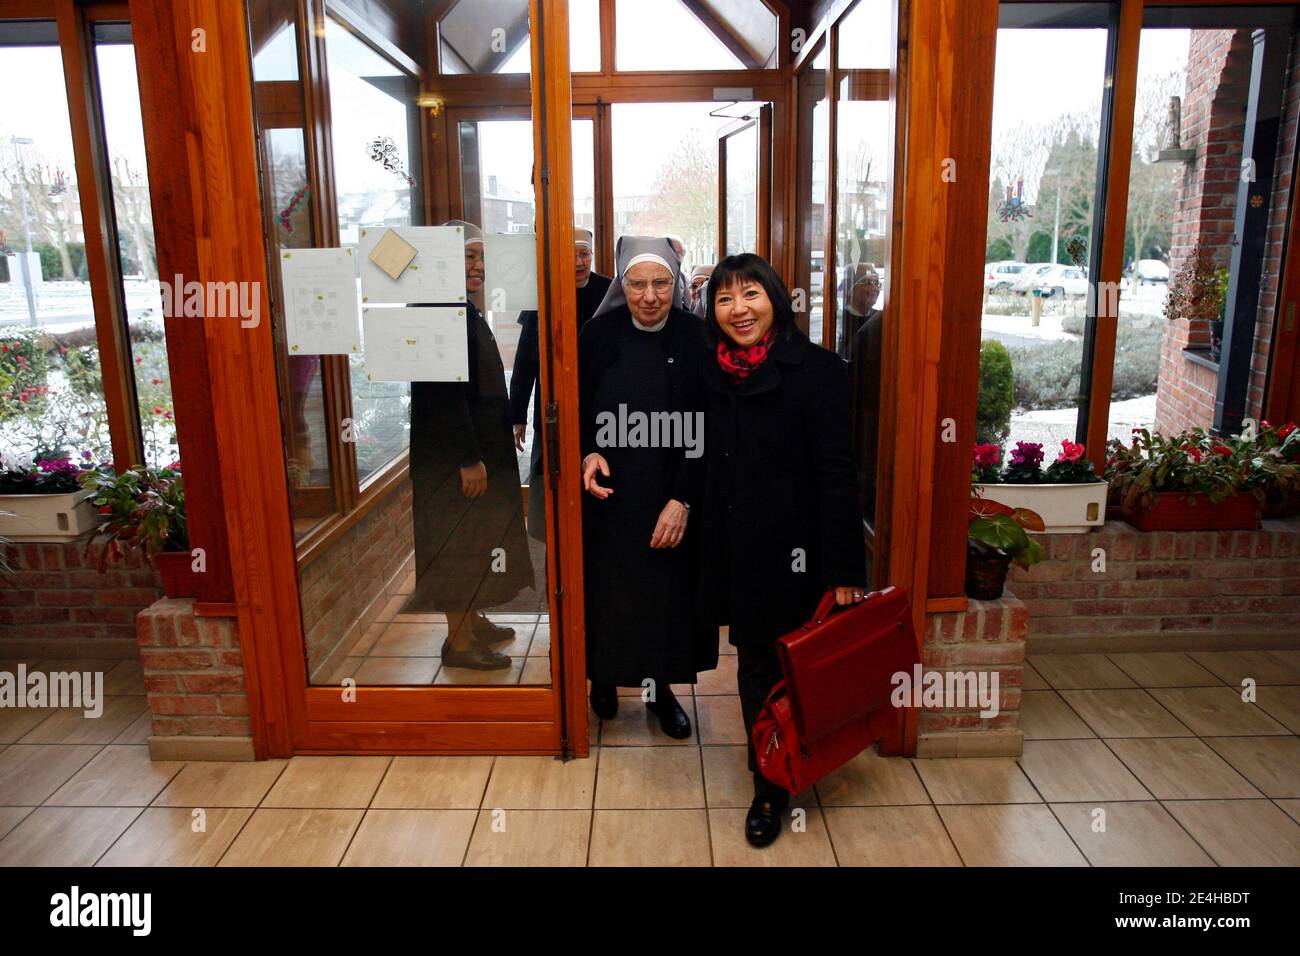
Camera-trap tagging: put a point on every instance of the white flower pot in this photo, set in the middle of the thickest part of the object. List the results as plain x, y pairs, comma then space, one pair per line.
47, 517
1065, 509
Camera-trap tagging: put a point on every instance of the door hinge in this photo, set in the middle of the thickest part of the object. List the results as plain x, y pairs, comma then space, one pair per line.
553, 438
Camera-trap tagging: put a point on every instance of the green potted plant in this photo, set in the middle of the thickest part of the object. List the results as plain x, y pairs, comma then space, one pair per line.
1068, 494
1190, 482
42, 500
1273, 454
996, 536
144, 512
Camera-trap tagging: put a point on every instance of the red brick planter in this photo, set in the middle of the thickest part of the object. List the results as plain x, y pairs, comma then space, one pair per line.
1174, 512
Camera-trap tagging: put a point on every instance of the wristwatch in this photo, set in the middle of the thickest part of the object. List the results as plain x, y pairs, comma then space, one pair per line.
686, 505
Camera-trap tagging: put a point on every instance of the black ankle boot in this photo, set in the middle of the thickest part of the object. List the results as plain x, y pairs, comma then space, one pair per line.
763, 822
604, 700
672, 718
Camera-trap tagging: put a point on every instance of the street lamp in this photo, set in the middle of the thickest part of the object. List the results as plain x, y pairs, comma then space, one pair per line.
1056, 226
17, 141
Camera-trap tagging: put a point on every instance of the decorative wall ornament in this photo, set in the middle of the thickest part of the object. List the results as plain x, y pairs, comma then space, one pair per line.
385, 152
1014, 208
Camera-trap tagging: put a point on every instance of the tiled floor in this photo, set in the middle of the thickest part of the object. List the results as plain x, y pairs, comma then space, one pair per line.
1129, 759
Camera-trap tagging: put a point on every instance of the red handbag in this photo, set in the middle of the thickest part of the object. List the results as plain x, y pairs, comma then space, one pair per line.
834, 701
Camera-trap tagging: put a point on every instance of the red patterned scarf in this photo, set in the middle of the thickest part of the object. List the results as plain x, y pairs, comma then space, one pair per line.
739, 362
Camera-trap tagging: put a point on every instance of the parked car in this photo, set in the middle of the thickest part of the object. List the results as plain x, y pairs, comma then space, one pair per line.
998, 276
1025, 281
1060, 281
1149, 272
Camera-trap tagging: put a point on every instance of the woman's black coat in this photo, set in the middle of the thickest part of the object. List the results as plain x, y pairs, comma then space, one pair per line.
781, 520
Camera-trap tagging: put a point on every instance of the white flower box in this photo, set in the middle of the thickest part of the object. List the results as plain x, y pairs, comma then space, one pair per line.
1065, 509
47, 517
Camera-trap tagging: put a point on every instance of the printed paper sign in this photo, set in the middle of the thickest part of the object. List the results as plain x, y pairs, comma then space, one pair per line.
319, 289
436, 274
427, 344
510, 273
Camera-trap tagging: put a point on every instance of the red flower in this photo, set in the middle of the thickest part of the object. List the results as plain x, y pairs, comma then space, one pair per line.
1194, 452
1071, 452
1223, 450
1286, 429
157, 410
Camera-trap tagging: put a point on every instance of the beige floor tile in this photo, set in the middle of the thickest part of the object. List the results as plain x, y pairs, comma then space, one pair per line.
870, 780
729, 784
469, 677
294, 837
137, 732
803, 841
1164, 669
392, 608
1282, 704
345, 669
1270, 763
536, 672
1291, 807
1263, 667
635, 726
17, 722
10, 817
530, 838
1030, 679
649, 838
166, 836
411, 838
127, 677
395, 671
1183, 768
721, 721
1124, 713
434, 783
541, 643
889, 836
1074, 770
1239, 832
1011, 835
1080, 671
649, 778
542, 783
117, 777
30, 773
365, 642
720, 680
333, 782
1135, 834
1216, 712
410, 640
65, 836
1044, 715
72, 726
975, 780
221, 783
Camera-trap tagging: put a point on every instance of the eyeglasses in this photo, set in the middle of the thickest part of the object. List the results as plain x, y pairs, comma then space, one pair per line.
639, 286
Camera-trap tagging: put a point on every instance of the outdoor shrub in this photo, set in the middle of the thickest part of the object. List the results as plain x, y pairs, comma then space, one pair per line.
996, 395
1047, 376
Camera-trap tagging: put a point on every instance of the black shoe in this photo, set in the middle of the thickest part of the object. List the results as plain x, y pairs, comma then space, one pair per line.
604, 700
763, 822
486, 630
672, 718
476, 657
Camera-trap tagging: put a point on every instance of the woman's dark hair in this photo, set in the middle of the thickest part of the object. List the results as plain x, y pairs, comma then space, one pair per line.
747, 267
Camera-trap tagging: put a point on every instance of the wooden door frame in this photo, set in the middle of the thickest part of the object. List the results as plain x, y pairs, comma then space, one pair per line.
761, 123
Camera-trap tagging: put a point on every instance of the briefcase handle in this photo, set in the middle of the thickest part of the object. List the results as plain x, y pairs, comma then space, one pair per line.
826, 606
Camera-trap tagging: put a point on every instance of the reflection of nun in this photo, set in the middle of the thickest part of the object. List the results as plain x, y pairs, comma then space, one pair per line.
641, 623
683, 294
696, 289
470, 549
861, 328
857, 295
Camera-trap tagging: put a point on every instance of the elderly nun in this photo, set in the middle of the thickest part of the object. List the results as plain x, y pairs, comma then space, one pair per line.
699, 283
640, 364
471, 552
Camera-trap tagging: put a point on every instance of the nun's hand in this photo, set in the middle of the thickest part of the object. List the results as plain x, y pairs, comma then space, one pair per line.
473, 480
519, 437
849, 595
671, 525
590, 465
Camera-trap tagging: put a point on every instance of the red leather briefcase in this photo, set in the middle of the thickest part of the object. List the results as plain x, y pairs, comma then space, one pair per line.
834, 700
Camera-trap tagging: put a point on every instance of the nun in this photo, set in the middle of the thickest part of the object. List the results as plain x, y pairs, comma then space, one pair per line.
857, 295
861, 330
471, 551
525, 378
682, 297
699, 280
640, 365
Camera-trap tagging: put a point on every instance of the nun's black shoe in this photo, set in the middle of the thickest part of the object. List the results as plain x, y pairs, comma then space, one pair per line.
672, 718
763, 822
486, 630
604, 700
476, 657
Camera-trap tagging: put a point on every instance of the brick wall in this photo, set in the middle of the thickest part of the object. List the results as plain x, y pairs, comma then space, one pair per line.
1175, 584
58, 605
1214, 104
988, 637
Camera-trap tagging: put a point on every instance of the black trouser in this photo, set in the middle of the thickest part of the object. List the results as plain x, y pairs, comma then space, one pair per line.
758, 670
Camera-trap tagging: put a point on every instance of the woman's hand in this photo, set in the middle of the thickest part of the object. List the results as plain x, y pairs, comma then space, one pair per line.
671, 525
519, 437
848, 595
595, 462
473, 480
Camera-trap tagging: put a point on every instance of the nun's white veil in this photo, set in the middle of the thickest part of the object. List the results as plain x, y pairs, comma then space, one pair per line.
630, 249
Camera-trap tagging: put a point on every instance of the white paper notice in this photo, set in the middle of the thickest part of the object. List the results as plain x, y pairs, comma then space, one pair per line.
436, 274
320, 301
416, 345
510, 272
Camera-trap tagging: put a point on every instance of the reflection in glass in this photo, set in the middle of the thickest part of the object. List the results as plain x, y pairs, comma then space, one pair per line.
742, 190
666, 35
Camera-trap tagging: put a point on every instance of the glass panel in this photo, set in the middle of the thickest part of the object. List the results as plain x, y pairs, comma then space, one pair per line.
1040, 226
51, 391
477, 37
1193, 247
742, 190
814, 146
866, 36
124, 139
372, 102
667, 35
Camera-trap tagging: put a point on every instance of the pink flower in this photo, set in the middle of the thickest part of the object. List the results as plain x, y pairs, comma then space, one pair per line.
986, 455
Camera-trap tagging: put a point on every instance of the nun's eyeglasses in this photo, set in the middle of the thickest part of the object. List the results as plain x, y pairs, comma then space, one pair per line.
638, 286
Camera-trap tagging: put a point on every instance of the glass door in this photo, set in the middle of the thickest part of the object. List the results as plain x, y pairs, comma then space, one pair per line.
744, 184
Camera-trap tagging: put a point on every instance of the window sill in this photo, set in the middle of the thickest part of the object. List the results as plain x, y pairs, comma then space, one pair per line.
1201, 357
